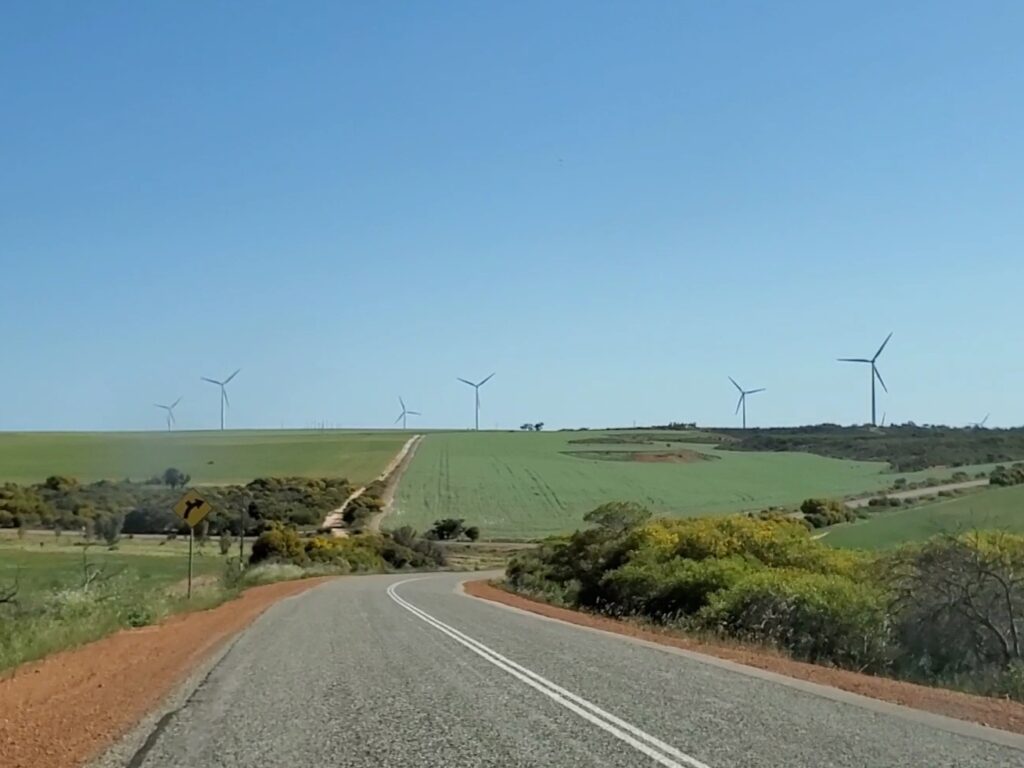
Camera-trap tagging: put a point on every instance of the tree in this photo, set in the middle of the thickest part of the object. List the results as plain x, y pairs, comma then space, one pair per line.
109, 527
472, 533
618, 516
526, 427
538, 426
175, 478
447, 528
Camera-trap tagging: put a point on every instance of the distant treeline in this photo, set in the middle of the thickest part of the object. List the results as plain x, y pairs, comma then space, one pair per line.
62, 503
907, 447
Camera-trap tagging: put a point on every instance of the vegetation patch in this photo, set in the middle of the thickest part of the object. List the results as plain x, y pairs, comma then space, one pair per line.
948, 611
678, 456
906, 447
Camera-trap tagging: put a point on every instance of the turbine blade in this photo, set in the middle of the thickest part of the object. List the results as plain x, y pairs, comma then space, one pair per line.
738, 404
486, 380
735, 384
399, 418
414, 413
175, 403
401, 402
229, 378
171, 414
873, 368
754, 391
983, 421
881, 347
467, 382
853, 360
157, 405
224, 394
212, 381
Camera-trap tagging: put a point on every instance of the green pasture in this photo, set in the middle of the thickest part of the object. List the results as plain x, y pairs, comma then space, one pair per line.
209, 457
991, 508
522, 485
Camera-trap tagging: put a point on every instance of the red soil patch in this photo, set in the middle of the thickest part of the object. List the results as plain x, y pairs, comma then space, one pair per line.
997, 713
64, 710
675, 457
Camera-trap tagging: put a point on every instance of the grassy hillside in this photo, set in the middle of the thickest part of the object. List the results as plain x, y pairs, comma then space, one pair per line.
210, 457
524, 484
996, 508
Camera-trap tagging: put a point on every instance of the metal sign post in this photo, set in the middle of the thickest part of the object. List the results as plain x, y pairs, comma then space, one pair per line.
192, 508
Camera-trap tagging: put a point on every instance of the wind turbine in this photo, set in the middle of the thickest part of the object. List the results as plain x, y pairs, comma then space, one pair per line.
223, 394
477, 388
874, 373
170, 412
742, 403
981, 424
405, 412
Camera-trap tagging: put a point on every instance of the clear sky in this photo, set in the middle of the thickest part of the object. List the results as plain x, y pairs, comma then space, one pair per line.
613, 205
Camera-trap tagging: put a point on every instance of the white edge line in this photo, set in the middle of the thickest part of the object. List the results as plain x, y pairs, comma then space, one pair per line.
588, 711
880, 706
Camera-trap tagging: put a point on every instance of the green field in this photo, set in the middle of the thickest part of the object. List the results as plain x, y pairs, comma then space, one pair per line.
996, 508
210, 457
516, 485
40, 561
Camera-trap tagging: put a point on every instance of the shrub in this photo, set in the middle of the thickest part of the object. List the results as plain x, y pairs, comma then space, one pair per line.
817, 617
224, 542
108, 527
447, 528
667, 590
472, 533
278, 544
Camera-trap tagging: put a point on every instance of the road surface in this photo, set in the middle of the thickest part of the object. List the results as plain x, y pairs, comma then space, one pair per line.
386, 671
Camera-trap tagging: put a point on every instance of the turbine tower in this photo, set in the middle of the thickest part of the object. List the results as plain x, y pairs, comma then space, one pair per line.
405, 412
170, 412
223, 394
874, 374
477, 388
742, 403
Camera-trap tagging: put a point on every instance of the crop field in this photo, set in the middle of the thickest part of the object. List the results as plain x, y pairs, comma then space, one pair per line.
522, 485
995, 508
209, 457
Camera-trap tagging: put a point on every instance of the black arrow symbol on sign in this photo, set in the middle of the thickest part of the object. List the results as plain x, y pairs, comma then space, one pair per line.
192, 504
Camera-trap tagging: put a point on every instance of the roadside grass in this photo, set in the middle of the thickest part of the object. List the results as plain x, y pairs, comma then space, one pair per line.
988, 509
69, 595
527, 485
231, 457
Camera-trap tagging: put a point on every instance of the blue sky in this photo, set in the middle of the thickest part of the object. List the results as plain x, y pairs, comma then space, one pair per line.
613, 205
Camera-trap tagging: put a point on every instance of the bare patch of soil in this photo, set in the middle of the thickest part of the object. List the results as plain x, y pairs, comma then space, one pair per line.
64, 710
676, 456
997, 713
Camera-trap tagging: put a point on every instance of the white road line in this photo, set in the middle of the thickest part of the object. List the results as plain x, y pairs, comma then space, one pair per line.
657, 750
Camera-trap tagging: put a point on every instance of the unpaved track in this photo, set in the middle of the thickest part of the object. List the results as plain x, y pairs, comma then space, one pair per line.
395, 477
405, 671
61, 711
916, 493
392, 471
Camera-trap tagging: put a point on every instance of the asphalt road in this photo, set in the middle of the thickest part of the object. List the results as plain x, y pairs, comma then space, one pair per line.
382, 671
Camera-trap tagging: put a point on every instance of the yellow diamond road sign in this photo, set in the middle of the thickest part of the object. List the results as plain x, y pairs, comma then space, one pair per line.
192, 508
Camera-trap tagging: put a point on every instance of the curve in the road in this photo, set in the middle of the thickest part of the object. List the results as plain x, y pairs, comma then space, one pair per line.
656, 749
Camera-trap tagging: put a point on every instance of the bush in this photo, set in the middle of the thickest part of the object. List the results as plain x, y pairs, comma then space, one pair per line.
824, 512
224, 542
667, 590
109, 528
278, 544
821, 618
472, 533
447, 528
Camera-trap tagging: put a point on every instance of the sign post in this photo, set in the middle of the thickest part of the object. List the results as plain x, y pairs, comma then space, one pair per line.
192, 508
